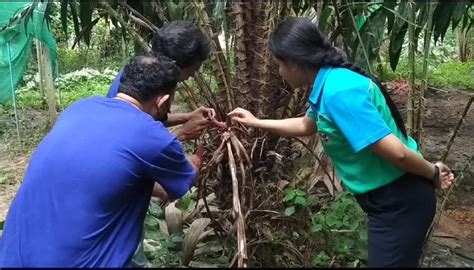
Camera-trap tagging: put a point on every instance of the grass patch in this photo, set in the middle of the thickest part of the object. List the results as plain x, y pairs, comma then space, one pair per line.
454, 74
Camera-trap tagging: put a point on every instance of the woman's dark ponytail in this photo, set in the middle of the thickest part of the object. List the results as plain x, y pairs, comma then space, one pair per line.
300, 41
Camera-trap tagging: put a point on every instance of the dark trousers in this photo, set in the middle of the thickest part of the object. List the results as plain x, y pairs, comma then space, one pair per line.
399, 214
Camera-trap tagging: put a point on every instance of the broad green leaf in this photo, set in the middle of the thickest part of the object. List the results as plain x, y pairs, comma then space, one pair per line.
151, 222
156, 210
372, 35
290, 210
289, 196
353, 226
176, 238
317, 228
398, 34
321, 259
333, 222
75, 18
86, 7
154, 235
421, 18
360, 22
373, 8
301, 201
324, 18
396, 43
363, 235
186, 201
389, 5
459, 12
176, 11
441, 18
300, 193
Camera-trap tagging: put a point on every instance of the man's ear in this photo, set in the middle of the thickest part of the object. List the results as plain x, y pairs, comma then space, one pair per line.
161, 100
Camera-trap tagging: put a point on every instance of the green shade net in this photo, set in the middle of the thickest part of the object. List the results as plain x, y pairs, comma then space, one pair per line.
16, 42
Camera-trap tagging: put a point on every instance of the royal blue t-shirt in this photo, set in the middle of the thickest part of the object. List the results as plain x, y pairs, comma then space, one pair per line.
113, 90
88, 185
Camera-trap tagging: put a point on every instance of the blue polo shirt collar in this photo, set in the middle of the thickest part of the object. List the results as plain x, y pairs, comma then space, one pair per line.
318, 84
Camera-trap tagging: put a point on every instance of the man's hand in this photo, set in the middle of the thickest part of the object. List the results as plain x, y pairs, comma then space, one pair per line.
201, 113
175, 119
192, 129
195, 161
159, 192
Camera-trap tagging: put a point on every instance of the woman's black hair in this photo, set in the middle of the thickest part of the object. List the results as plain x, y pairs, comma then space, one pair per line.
181, 41
298, 40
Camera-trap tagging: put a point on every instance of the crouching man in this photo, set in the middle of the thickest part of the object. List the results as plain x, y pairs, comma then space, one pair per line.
88, 185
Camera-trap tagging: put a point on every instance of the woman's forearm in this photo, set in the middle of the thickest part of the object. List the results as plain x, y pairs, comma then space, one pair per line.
291, 127
393, 150
413, 163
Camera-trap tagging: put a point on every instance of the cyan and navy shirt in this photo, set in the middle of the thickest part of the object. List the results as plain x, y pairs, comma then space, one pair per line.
87, 188
351, 114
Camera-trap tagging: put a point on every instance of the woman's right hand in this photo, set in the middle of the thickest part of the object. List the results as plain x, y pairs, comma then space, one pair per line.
244, 117
446, 177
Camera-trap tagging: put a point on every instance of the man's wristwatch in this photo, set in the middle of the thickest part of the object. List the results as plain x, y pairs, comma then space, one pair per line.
435, 179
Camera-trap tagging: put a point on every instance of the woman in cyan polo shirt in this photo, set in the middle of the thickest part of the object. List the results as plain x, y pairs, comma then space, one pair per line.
364, 135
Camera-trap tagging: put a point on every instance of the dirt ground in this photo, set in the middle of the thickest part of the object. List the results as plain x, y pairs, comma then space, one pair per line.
452, 244
453, 240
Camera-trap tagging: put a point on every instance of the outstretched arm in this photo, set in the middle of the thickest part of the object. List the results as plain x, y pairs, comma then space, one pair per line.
291, 127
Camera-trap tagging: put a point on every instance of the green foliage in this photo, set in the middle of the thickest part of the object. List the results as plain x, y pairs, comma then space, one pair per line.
187, 202
161, 250
294, 199
321, 259
71, 60
455, 74
166, 254
445, 69
71, 87
84, 83
343, 229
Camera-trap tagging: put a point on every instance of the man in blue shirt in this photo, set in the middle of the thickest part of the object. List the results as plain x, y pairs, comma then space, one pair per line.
86, 190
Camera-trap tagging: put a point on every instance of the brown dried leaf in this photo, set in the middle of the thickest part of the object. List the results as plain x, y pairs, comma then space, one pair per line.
192, 237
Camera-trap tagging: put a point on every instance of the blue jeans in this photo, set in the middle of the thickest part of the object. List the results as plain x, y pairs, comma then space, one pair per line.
400, 215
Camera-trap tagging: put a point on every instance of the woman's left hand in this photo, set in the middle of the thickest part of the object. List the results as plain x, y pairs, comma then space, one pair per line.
446, 177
